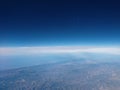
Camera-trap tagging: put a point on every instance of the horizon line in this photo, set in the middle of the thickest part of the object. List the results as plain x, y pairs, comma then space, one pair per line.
57, 49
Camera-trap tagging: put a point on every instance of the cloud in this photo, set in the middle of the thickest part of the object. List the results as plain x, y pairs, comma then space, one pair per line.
57, 49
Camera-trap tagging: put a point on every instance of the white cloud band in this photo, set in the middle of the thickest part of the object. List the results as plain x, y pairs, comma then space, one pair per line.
57, 49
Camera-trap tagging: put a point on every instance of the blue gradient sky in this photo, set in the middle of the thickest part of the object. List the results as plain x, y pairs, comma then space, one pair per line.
61, 23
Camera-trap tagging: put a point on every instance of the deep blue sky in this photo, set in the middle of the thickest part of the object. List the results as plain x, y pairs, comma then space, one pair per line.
45, 23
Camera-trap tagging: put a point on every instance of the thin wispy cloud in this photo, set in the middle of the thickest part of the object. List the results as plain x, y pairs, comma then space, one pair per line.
57, 49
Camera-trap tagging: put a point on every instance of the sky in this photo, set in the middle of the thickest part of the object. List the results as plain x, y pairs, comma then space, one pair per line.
59, 23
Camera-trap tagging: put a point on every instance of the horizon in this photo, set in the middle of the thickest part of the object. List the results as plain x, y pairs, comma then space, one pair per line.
58, 49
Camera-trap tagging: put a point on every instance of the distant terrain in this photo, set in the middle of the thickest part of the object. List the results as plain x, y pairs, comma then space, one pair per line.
90, 73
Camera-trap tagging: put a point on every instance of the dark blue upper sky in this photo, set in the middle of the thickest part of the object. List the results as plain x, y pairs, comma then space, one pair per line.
59, 22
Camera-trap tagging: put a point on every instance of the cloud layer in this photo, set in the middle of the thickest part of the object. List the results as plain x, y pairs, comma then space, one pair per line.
57, 49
